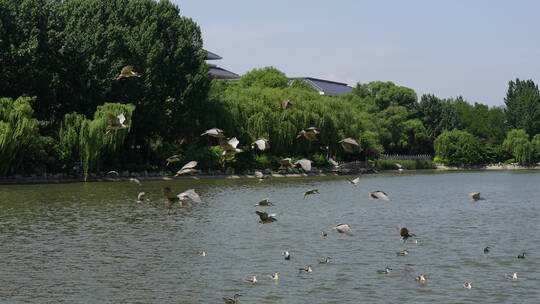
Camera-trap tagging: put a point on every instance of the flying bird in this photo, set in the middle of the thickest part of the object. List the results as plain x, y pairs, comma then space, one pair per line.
135, 180
261, 144
229, 147
113, 173
404, 232
172, 159
265, 217
353, 181
304, 163
233, 300
127, 72
379, 195
189, 194
310, 192
399, 167
215, 132
140, 197
286, 104
309, 133
115, 123
475, 196
308, 269
343, 228
264, 203
348, 144
286, 163
187, 169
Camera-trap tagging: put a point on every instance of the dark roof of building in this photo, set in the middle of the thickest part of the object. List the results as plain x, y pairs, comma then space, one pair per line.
327, 87
212, 56
221, 73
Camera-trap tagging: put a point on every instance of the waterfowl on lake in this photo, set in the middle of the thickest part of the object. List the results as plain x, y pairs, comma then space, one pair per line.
353, 181
476, 196
265, 217
385, 271
421, 278
189, 194
264, 203
467, 285
253, 280
286, 255
325, 260
308, 269
343, 228
379, 195
233, 300
511, 277
274, 276
402, 253
140, 196
127, 72
310, 192
135, 180
486, 250
203, 253
324, 234
187, 169
522, 255
404, 232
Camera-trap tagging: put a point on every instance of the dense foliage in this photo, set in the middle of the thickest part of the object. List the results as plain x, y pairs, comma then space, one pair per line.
66, 55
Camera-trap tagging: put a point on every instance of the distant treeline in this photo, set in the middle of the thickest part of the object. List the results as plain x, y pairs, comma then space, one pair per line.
59, 60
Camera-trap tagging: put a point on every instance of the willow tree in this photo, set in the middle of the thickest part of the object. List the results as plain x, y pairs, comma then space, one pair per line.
17, 131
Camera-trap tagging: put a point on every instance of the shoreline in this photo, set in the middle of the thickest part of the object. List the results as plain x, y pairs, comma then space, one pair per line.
61, 179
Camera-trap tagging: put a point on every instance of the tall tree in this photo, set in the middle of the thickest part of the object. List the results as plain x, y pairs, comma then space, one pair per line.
523, 106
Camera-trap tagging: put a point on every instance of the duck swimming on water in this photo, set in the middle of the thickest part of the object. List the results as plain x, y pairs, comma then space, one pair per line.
325, 261
511, 277
233, 300
522, 255
385, 271
402, 253
253, 280
274, 276
467, 285
286, 255
421, 278
306, 270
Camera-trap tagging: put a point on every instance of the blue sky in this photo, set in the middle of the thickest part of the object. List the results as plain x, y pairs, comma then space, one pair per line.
450, 48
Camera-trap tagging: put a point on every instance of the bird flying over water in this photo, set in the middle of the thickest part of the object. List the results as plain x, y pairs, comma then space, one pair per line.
265, 217
115, 123
309, 133
127, 72
140, 197
187, 168
135, 180
343, 228
304, 163
353, 181
189, 194
404, 232
172, 159
310, 192
379, 195
286, 163
347, 144
233, 300
229, 147
261, 144
264, 203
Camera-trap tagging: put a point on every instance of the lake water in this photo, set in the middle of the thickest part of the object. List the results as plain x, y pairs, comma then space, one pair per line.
93, 243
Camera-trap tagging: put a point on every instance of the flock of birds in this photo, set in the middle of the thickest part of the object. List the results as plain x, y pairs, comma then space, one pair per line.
230, 147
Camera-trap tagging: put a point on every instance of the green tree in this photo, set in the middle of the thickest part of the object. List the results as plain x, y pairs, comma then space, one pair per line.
438, 115
517, 143
523, 106
457, 147
268, 77
385, 94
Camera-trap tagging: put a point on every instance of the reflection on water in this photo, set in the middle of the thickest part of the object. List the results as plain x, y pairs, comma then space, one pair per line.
94, 243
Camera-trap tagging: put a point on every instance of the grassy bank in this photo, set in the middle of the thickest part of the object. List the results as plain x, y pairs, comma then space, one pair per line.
390, 164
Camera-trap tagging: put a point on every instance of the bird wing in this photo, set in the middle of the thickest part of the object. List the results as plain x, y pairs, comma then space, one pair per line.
113, 172
404, 231
121, 118
344, 228
312, 129
349, 141
346, 146
191, 194
261, 144
399, 166
380, 195
113, 120
304, 163
140, 196
474, 195
190, 165
128, 69
138, 182
258, 174
262, 215
233, 142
